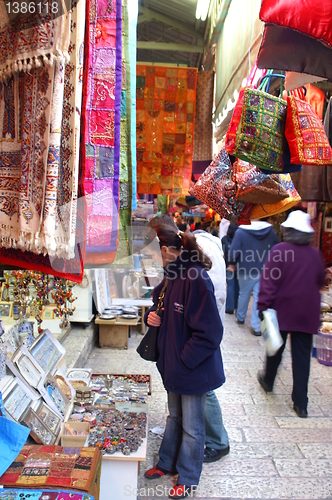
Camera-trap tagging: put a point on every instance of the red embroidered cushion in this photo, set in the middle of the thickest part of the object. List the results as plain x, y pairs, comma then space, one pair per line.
305, 134
312, 17
232, 128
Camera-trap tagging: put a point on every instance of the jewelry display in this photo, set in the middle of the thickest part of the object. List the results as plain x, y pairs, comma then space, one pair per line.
16, 403
55, 396
39, 432
118, 431
79, 374
78, 383
29, 371
49, 418
47, 351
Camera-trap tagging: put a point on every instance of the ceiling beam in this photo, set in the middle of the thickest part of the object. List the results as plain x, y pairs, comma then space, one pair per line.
178, 47
150, 15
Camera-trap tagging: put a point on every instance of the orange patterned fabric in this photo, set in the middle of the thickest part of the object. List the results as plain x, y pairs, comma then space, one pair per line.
166, 102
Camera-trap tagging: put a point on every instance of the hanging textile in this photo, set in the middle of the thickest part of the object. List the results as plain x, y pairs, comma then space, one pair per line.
166, 102
67, 177
103, 130
203, 136
24, 129
41, 494
316, 98
24, 38
132, 8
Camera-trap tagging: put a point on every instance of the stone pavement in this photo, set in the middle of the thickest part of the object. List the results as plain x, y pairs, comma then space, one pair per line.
274, 454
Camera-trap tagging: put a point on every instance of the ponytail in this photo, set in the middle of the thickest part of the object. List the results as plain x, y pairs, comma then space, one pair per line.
189, 243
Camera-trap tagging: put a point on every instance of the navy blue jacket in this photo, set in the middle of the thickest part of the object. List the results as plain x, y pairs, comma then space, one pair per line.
191, 330
250, 248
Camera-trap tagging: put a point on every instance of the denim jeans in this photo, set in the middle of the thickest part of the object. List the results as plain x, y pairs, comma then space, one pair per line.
182, 448
216, 436
232, 291
247, 284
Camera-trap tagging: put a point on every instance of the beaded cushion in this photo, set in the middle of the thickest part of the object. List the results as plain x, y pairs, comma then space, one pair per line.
305, 134
260, 134
216, 188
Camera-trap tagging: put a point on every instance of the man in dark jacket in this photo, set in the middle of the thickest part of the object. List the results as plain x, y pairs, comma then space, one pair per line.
249, 250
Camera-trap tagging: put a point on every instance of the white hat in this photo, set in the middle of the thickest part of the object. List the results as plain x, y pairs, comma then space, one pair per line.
300, 221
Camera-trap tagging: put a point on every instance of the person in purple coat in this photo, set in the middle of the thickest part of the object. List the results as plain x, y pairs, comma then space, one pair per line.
291, 280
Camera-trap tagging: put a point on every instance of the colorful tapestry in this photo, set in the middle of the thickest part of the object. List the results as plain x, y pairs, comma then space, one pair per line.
203, 136
66, 177
102, 137
29, 35
25, 100
54, 466
132, 7
327, 248
13, 494
165, 116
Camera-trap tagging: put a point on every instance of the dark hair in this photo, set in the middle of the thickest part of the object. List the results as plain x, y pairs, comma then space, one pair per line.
291, 235
232, 228
170, 236
162, 219
198, 225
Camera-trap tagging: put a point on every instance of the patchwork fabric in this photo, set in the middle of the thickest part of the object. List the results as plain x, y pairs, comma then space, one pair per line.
165, 117
305, 134
260, 135
53, 466
102, 138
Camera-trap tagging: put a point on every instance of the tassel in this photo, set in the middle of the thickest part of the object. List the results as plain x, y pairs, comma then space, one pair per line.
24, 66
45, 60
20, 65
37, 62
15, 67
29, 66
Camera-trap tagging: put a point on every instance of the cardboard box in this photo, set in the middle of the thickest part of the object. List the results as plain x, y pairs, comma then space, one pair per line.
75, 441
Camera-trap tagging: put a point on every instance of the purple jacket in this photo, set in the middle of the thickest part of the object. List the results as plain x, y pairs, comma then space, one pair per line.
290, 283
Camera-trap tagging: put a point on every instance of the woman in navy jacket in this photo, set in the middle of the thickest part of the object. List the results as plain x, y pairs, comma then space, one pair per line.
189, 360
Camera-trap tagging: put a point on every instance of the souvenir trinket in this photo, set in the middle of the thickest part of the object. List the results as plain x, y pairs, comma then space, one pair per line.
83, 393
39, 432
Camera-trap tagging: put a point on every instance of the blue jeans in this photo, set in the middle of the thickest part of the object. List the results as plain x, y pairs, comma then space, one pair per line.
232, 291
247, 284
182, 448
216, 436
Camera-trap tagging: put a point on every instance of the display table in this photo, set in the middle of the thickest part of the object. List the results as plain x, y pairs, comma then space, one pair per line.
114, 332
119, 474
142, 303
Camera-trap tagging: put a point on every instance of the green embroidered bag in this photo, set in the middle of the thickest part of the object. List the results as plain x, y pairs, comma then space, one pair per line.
260, 137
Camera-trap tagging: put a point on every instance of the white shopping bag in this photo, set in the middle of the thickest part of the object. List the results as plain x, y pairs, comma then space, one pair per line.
270, 331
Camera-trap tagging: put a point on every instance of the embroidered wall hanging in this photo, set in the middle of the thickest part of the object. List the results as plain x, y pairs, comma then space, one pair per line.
102, 137
203, 137
54, 466
64, 178
165, 117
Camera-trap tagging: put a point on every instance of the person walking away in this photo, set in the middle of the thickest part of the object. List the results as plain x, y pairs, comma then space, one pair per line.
290, 283
249, 250
231, 275
216, 437
189, 361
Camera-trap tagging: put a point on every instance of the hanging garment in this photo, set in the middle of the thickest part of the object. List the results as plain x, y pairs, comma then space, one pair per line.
203, 136
279, 46
67, 176
316, 98
103, 132
166, 102
25, 40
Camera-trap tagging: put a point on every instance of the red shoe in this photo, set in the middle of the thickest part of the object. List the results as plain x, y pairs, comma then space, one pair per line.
180, 491
155, 473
